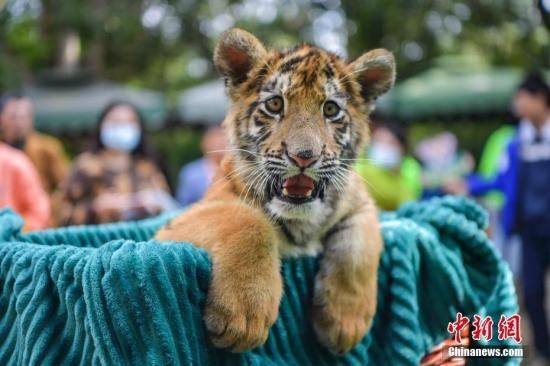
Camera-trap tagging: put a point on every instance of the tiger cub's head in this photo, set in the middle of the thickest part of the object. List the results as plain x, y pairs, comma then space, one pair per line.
298, 118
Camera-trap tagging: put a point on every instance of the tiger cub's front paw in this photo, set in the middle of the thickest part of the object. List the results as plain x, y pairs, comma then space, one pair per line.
240, 319
341, 319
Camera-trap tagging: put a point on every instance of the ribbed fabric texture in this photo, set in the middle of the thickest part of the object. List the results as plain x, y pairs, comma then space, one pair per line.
105, 295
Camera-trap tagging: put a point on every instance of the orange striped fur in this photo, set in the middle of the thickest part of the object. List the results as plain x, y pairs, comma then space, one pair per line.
297, 120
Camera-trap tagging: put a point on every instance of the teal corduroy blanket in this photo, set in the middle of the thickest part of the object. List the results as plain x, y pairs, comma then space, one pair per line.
107, 295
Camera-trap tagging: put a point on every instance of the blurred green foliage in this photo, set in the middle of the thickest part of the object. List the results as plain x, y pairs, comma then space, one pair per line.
167, 44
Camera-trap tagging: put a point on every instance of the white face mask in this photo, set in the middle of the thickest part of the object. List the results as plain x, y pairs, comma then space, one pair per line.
122, 136
385, 156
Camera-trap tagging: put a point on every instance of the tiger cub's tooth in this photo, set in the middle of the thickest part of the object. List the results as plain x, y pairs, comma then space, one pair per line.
285, 192
308, 193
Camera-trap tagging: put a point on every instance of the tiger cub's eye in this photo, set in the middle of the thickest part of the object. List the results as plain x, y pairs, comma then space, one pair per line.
331, 109
274, 104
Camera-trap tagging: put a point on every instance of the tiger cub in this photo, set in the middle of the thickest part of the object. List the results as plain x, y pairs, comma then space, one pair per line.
297, 120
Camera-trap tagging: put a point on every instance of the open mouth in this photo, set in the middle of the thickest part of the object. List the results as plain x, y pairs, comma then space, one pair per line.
298, 189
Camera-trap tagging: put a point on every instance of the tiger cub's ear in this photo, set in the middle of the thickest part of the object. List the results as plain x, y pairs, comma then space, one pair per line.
374, 71
238, 52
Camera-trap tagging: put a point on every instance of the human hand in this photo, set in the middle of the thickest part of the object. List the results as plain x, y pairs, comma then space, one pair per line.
439, 355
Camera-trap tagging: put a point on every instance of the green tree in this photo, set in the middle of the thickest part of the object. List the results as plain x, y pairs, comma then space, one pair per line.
167, 44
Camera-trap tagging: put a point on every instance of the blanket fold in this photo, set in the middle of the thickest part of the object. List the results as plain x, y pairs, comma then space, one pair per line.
108, 295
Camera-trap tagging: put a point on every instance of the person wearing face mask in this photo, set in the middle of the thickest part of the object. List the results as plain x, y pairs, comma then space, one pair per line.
118, 180
391, 176
45, 152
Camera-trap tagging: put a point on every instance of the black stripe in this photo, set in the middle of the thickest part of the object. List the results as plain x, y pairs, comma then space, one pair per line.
342, 225
276, 164
339, 122
251, 108
264, 136
289, 65
347, 151
329, 72
248, 156
256, 82
287, 233
258, 122
341, 143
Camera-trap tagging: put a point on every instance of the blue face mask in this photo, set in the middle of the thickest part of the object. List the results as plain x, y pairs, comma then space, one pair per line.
122, 136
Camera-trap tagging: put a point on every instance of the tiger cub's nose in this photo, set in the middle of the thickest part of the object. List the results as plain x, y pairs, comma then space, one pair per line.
303, 158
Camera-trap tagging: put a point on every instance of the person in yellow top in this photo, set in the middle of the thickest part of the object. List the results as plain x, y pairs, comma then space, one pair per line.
45, 152
391, 177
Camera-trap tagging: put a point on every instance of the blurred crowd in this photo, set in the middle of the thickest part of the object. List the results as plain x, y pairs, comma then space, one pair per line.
119, 177
512, 181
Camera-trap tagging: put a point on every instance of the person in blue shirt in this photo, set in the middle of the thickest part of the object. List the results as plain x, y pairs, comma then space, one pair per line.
524, 178
196, 176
